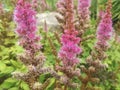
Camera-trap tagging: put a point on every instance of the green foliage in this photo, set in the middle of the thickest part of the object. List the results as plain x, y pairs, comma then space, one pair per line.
52, 4
8, 5
46, 48
51, 85
101, 4
116, 10
9, 48
8, 83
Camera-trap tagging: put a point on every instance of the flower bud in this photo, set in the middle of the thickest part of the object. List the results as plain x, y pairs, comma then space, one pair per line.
37, 86
96, 80
91, 69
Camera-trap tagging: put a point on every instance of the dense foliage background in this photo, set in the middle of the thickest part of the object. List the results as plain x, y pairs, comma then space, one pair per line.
9, 48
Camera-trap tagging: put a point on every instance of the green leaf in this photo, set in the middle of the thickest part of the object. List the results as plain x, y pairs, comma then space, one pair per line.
8, 83
14, 88
42, 78
2, 67
15, 63
24, 86
9, 70
2, 74
51, 85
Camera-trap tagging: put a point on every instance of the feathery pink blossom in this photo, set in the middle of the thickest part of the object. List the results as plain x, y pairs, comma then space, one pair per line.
1, 8
35, 3
104, 30
101, 14
24, 16
70, 49
83, 8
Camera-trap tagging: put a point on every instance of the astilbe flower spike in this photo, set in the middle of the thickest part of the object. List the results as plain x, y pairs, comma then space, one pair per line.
24, 16
69, 44
1, 8
94, 61
104, 31
83, 15
69, 39
83, 8
26, 25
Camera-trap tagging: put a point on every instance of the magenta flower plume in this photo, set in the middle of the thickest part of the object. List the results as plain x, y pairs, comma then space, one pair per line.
101, 14
69, 39
104, 31
24, 17
83, 8
1, 8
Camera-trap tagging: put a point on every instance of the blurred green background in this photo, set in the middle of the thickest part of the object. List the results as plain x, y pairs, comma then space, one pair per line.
9, 48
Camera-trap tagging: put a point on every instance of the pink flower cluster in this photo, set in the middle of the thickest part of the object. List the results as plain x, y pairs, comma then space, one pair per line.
70, 49
83, 8
1, 8
101, 14
35, 3
104, 30
67, 7
24, 17
60, 4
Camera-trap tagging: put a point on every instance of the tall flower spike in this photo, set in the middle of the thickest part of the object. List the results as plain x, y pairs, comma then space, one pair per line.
83, 7
69, 39
25, 19
83, 14
24, 16
104, 30
1, 8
